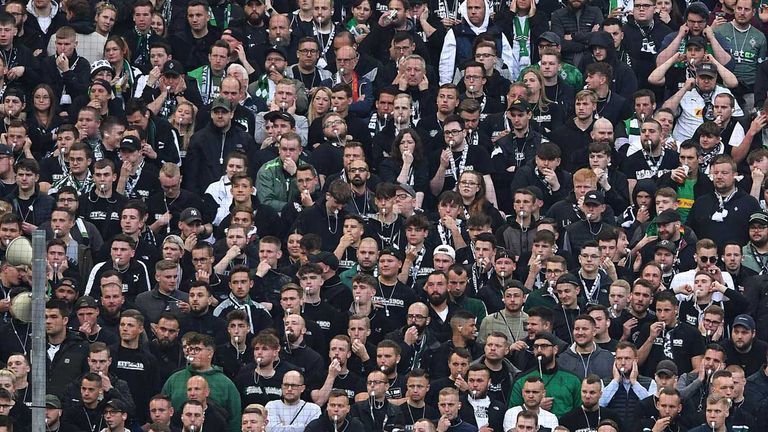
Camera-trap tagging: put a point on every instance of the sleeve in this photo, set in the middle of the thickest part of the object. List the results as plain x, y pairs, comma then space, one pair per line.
448, 58
265, 182
192, 167
608, 392
640, 391
761, 84
508, 57
234, 406
259, 132
302, 128
516, 398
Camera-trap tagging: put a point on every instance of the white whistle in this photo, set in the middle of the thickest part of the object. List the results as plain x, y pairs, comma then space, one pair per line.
621, 370
522, 213
341, 71
333, 109
237, 339
472, 88
451, 143
589, 215
190, 359
277, 39
102, 187
474, 394
56, 232
336, 418
258, 361
383, 368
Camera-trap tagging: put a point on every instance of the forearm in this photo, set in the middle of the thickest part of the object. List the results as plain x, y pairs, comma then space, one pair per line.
729, 79
670, 50
674, 101
405, 270
438, 181
320, 396
740, 152
222, 265
403, 176
659, 75
458, 239
645, 350
156, 104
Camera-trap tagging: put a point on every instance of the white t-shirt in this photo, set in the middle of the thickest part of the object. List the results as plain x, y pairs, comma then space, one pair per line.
690, 110
546, 418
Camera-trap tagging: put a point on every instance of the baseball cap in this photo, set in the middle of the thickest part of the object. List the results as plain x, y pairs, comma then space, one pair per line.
5, 150
190, 214
502, 253
130, 143
51, 401
666, 367
744, 320
393, 252
221, 102
519, 105
280, 115
100, 65
514, 283
550, 37
445, 250
86, 302
758, 217
666, 244
668, 216
697, 40
326, 258
173, 67
405, 187
276, 49
594, 197
116, 404
568, 279
707, 69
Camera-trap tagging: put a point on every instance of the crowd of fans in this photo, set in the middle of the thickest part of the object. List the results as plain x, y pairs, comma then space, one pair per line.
380, 216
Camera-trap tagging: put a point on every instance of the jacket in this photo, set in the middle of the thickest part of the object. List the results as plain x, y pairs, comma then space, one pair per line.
457, 46
76, 79
565, 21
739, 208
223, 392
644, 50
119, 390
598, 362
69, 363
374, 421
36, 37
208, 147
624, 81
153, 303
561, 385
39, 210
274, 186
324, 424
495, 413
528, 176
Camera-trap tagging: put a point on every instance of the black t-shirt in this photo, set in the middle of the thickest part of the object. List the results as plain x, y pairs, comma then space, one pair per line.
103, 213
397, 387
640, 166
682, 341
500, 386
147, 183
51, 170
477, 159
351, 383
256, 389
395, 299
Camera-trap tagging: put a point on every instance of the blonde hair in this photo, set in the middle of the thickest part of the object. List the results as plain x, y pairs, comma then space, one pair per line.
312, 114
185, 131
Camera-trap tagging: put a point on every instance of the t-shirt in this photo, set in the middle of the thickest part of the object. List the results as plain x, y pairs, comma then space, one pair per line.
680, 344
685, 199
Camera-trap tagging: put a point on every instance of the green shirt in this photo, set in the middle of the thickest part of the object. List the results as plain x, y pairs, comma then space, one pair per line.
568, 73
685, 198
748, 48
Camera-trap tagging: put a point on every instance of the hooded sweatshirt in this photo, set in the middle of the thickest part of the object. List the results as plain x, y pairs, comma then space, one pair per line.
457, 47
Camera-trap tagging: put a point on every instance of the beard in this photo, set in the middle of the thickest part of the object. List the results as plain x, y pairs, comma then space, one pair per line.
436, 299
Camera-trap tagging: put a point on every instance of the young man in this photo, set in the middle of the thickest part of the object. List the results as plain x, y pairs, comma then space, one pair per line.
27, 202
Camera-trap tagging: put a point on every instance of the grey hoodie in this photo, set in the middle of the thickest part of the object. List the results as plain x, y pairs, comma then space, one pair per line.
598, 362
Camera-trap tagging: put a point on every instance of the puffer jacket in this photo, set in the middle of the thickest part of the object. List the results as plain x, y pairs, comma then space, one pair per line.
599, 362
566, 21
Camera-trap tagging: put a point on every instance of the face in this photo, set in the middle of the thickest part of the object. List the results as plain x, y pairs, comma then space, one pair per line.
640, 299
55, 322
447, 101
112, 296
7, 33
668, 405
240, 284
589, 258
321, 102
192, 415
293, 385
476, 11
221, 118
585, 108
732, 257
449, 406
707, 258
158, 25
666, 312
495, 348
308, 54
417, 388
131, 221
160, 411
130, 329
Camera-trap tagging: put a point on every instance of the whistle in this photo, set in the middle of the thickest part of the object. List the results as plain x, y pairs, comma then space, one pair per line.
709, 333
282, 106
616, 306
451, 143
333, 109
190, 359
501, 273
117, 262
272, 67
642, 117
539, 358
192, 428
686, 168
589, 216
237, 339
56, 232
522, 214
288, 311
472, 88
336, 212
474, 394
621, 370
277, 39
399, 119
102, 187
258, 361
336, 418
383, 368
357, 299
386, 116
384, 211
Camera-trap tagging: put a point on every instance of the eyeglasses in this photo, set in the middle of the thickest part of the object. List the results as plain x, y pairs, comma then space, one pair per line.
416, 316
292, 386
194, 349
542, 346
643, 6
708, 259
454, 132
308, 51
713, 323
357, 170
473, 77
334, 123
67, 200
375, 382
468, 183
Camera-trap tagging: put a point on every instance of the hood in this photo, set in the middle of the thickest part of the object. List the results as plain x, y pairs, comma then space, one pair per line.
83, 26
603, 39
54, 9
484, 26
645, 185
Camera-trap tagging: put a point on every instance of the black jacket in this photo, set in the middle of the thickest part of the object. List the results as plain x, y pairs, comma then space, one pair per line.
324, 424
643, 50
528, 176
76, 79
68, 363
566, 22
208, 147
495, 413
735, 224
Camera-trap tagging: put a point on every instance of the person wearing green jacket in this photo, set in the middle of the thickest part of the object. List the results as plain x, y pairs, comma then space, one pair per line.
276, 179
200, 350
562, 388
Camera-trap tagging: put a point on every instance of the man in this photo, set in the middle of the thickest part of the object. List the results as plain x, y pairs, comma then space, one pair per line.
204, 160
755, 251
510, 320
162, 139
337, 415
377, 412
165, 297
571, 24
161, 411
201, 348
166, 345
706, 261
669, 406
449, 405
568, 289
192, 416
696, 17
414, 407
290, 411
239, 298
215, 416
562, 386
65, 71
463, 335
669, 339
546, 174
101, 205
653, 160
67, 351
115, 416
727, 206
585, 347
456, 157
132, 364
502, 370
477, 408
643, 37
88, 411
33, 207
192, 36
533, 396
136, 276
627, 387
260, 381
590, 412
138, 178
697, 95
287, 102
275, 180
339, 376
743, 349
87, 311
53, 411
254, 418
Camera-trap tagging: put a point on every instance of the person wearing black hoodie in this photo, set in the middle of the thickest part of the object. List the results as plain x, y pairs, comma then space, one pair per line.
623, 81
640, 210
643, 35
67, 351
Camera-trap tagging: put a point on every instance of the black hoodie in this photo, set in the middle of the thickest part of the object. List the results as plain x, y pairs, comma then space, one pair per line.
624, 79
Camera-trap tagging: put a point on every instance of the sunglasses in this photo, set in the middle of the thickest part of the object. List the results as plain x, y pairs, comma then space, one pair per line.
708, 259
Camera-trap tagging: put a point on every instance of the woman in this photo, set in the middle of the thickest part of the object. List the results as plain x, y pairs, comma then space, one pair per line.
358, 24
471, 187
184, 122
406, 163
116, 52
106, 14
669, 13
547, 115
43, 121
158, 24
320, 103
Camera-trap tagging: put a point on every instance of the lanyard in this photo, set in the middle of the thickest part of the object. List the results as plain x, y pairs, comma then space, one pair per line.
462, 163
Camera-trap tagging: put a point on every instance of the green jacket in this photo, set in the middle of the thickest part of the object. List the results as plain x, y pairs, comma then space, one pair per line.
273, 185
475, 307
563, 386
223, 392
539, 297
568, 73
